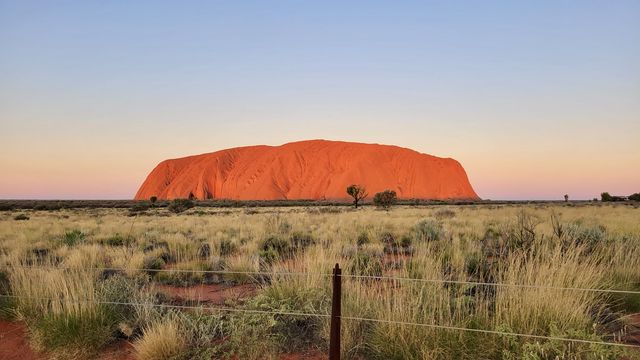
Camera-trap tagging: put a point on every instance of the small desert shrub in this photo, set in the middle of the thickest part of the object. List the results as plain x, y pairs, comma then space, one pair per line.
387, 238
427, 230
395, 245
201, 331
576, 234
301, 240
274, 247
117, 240
251, 337
521, 234
180, 205
363, 238
153, 262
121, 290
228, 247
204, 251
21, 217
557, 349
442, 214
140, 206
366, 265
287, 295
406, 240
73, 237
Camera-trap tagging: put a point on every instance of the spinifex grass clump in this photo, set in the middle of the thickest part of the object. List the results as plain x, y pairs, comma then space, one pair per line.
61, 310
73, 237
427, 230
188, 273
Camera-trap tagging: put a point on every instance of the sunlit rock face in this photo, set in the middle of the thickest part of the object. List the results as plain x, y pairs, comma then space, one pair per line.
314, 169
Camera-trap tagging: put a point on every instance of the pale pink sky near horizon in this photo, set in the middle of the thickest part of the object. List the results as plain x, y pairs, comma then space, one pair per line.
535, 100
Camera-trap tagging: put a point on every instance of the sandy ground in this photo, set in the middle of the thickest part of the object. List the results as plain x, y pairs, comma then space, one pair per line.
13, 342
213, 294
15, 346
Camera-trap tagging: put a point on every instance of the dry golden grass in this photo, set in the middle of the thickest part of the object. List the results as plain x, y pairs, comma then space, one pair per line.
235, 240
161, 340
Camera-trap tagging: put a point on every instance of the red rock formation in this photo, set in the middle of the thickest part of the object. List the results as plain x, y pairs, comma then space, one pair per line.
315, 169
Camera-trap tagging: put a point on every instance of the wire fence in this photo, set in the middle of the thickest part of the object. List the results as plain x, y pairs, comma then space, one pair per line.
347, 276
319, 315
307, 314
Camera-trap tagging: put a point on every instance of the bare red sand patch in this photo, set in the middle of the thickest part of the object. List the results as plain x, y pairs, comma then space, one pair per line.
119, 350
633, 336
312, 355
216, 294
14, 344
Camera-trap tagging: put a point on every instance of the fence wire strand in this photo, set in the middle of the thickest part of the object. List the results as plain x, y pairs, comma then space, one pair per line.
347, 276
352, 318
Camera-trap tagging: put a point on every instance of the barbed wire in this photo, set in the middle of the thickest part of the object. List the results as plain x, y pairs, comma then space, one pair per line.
352, 318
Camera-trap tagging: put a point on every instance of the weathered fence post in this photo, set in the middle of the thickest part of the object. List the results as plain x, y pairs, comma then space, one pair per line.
336, 308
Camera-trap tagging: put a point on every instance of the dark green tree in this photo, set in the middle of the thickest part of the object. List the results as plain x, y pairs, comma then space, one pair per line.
357, 192
179, 205
385, 199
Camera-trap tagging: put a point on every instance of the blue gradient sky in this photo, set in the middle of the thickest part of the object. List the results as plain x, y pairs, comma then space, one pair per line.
535, 99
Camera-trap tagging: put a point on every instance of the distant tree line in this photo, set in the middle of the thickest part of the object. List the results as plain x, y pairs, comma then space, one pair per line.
606, 197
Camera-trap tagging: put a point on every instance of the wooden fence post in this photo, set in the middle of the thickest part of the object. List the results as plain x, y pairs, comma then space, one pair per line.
336, 307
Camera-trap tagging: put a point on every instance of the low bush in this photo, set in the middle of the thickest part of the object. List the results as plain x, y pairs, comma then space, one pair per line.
21, 217
73, 237
204, 251
301, 240
363, 238
153, 262
140, 206
117, 240
387, 238
579, 234
275, 247
228, 247
180, 205
292, 296
427, 230
365, 264
442, 214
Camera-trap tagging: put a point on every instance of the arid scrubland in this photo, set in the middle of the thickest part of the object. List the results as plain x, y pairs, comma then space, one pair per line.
81, 279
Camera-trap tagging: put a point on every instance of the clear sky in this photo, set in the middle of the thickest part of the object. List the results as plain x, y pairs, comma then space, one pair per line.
535, 99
